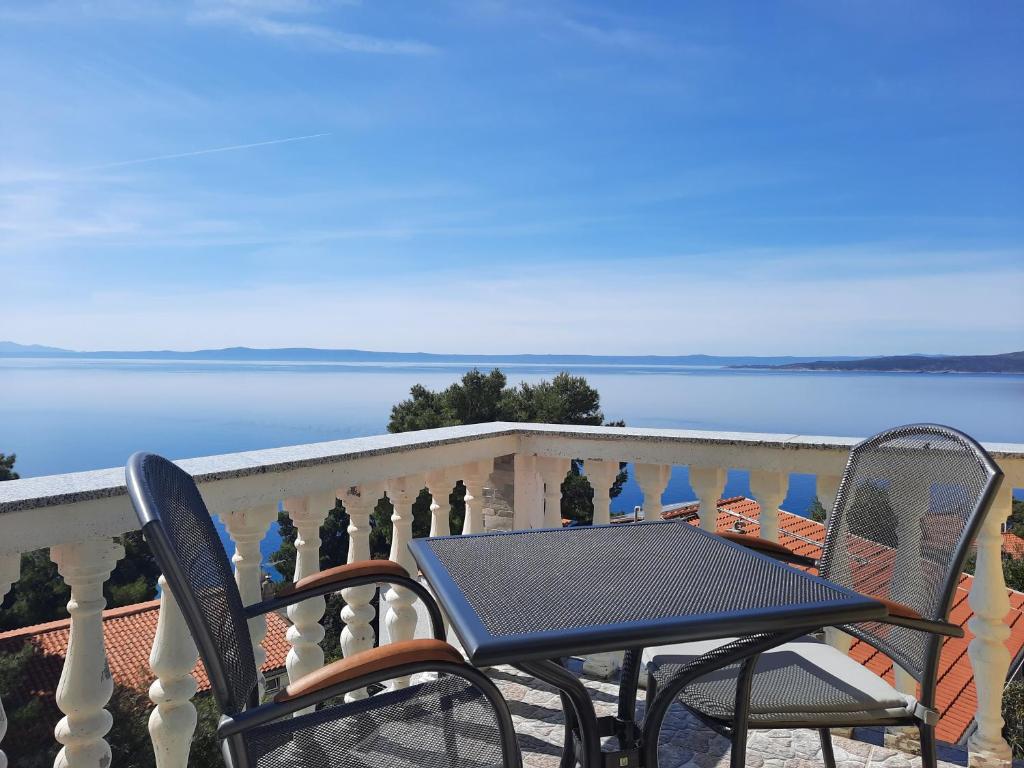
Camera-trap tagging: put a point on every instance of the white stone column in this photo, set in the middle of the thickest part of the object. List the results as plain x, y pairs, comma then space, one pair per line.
10, 570
85, 683
439, 484
474, 476
769, 488
990, 658
247, 529
357, 613
172, 659
401, 617
552, 471
528, 493
653, 480
601, 474
306, 632
708, 483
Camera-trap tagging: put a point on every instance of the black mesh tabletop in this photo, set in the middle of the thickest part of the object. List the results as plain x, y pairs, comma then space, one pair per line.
548, 593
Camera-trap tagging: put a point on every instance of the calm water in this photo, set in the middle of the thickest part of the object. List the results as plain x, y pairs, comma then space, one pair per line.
67, 416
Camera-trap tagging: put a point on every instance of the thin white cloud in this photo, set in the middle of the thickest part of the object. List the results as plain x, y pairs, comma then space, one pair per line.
214, 150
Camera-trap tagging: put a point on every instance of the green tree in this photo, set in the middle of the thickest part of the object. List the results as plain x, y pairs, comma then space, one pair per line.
817, 510
7, 467
1013, 717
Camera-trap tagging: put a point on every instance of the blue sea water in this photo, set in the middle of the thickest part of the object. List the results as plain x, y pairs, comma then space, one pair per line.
70, 415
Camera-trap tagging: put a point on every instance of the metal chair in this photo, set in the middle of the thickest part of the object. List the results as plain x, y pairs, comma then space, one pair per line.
458, 720
908, 509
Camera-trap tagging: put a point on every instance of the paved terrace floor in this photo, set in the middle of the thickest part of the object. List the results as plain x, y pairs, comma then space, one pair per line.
686, 742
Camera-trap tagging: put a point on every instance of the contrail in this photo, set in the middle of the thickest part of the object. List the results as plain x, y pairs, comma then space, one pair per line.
205, 151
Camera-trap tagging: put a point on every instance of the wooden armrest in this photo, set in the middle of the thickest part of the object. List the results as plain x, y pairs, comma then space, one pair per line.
374, 660
344, 572
899, 610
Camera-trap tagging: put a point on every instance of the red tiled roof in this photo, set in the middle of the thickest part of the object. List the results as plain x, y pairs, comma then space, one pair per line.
128, 634
956, 697
1013, 545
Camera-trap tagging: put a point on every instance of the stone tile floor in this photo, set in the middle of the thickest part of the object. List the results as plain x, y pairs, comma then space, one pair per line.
686, 743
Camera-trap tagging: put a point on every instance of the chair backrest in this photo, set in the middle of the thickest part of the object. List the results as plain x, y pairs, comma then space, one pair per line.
908, 508
183, 539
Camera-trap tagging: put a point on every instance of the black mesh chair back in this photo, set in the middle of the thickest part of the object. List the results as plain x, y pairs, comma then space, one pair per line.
908, 508
181, 534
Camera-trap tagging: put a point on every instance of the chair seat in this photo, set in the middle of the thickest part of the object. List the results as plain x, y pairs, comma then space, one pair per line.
802, 681
443, 723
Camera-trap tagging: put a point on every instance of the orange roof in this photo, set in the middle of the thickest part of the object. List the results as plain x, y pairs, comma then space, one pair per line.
1013, 545
956, 698
128, 633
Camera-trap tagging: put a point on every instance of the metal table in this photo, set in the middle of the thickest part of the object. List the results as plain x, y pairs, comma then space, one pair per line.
529, 598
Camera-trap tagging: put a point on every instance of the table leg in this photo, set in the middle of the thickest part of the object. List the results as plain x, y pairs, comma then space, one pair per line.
580, 708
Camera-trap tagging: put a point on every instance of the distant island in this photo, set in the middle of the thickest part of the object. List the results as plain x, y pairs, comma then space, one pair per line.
1010, 362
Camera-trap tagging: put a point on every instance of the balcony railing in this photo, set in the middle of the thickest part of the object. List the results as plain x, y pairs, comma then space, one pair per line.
77, 517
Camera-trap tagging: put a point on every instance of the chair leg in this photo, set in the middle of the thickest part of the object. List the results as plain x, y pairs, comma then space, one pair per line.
826, 748
929, 757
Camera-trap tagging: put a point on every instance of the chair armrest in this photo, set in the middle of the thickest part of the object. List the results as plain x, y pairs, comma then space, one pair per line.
901, 615
359, 574
770, 548
338, 574
345, 675
423, 651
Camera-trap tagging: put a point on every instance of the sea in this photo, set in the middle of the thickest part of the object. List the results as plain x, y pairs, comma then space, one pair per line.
69, 415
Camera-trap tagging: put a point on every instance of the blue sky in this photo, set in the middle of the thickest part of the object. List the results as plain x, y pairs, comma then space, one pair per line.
488, 176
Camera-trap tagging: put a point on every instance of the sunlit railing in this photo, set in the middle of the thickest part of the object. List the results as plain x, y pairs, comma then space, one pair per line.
78, 517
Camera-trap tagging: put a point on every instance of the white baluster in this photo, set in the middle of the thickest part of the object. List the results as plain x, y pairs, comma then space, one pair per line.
990, 658
10, 569
828, 488
306, 631
401, 617
357, 613
601, 475
708, 483
85, 683
552, 472
174, 655
769, 488
247, 529
439, 483
474, 476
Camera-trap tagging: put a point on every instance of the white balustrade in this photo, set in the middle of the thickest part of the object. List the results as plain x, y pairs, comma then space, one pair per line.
306, 632
474, 476
528, 493
401, 616
601, 475
10, 568
247, 529
653, 480
708, 483
173, 720
357, 614
85, 683
552, 471
987, 650
769, 488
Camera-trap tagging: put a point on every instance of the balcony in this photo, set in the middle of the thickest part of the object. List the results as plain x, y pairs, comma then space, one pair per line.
513, 475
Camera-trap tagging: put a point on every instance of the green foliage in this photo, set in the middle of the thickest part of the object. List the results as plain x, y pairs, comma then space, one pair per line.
565, 399
817, 511
1013, 569
7, 467
474, 400
1013, 717
1016, 522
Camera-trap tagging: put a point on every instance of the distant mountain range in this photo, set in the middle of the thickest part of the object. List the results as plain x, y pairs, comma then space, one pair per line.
306, 354
1010, 362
